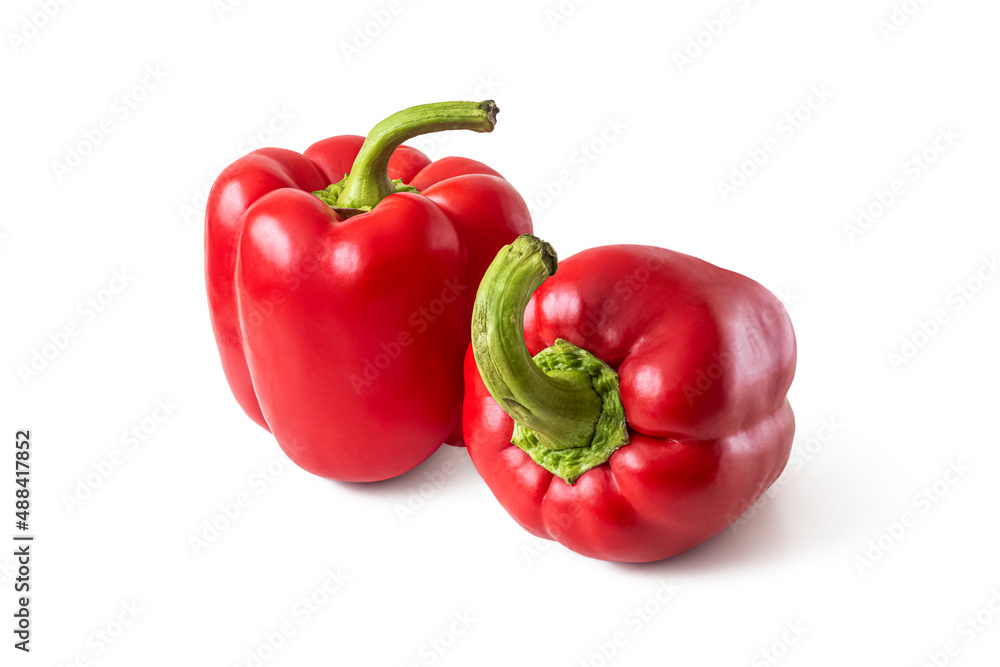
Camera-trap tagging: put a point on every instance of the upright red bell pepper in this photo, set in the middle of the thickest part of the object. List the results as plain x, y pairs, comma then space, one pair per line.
340, 286
654, 412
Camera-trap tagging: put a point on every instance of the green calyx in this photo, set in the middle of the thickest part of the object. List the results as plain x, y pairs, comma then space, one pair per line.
368, 182
610, 432
565, 401
331, 194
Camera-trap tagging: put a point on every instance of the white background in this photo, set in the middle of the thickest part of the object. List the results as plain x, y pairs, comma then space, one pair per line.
822, 553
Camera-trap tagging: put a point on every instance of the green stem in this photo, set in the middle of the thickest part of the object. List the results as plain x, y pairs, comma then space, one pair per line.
565, 402
368, 182
562, 409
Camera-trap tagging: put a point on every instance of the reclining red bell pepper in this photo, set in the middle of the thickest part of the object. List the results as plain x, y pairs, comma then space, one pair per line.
654, 412
340, 285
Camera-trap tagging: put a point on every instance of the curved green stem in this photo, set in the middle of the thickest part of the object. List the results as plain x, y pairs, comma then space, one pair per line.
566, 401
368, 182
562, 409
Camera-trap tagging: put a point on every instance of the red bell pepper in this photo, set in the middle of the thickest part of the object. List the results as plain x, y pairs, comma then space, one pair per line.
340, 285
654, 412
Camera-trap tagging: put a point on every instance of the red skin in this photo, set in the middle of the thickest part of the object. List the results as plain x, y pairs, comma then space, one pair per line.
304, 303
705, 358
